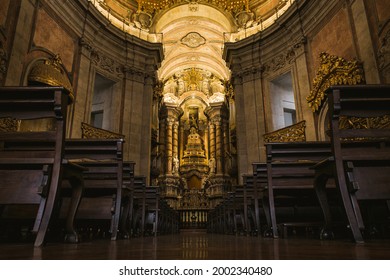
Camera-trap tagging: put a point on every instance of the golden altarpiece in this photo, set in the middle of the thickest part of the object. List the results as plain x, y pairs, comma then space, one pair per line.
193, 150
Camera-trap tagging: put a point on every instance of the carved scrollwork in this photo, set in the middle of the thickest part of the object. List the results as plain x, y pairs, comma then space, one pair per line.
89, 131
292, 133
364, 123
9, 124
84, 43
106, 63
351, 122
194, 199
333, 70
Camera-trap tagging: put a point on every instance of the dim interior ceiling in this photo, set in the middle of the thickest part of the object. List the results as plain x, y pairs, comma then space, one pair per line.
193, 32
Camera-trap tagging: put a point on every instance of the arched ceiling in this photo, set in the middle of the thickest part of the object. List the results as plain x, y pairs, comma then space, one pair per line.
193, 32
193, 40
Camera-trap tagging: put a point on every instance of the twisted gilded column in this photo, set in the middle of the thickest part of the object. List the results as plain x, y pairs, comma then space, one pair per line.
169, 145
206, 142
162, 127
175, 143
212, 139
181, 138
226, 144
218, 145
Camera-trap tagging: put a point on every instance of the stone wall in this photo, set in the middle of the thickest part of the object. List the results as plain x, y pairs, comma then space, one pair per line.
349, 29
88, 44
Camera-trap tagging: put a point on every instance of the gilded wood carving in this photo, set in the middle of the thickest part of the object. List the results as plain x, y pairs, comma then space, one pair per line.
292, 133
89, 131
333, 70
9, 124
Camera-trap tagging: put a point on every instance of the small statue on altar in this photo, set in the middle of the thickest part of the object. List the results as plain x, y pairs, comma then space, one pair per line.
212, 165
175, 165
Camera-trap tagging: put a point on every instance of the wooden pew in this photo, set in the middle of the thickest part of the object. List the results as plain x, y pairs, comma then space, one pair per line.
240, 208
169, 219
104, 191
128, 200
151, 215
289, 177
235, 213
236, 208
360, 160
151, 210
136, 217
31, 162
217, 218
253, 194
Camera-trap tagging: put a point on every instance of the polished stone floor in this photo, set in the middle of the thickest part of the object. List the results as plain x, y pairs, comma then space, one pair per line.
201, 246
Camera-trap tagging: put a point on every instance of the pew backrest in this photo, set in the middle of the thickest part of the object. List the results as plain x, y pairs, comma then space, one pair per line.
31, 161
362, 146
363, 105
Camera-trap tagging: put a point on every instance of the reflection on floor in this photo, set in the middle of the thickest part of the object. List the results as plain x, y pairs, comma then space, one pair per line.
201, 246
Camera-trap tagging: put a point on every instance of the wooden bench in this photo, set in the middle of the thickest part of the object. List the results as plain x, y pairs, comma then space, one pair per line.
289, 177
244, 207
168, 222
235, 214
217, 218
360, 160
254, 189
104, 190
128, 199
148, 209
31, 162
237, 211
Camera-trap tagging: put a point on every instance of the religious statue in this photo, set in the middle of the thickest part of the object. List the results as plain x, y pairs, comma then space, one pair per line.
193, 121
217, 86
175, 165
212, 165
170, 86
180, 83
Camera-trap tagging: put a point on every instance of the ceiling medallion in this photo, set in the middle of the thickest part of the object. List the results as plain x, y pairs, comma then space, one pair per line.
193, 40
193, 58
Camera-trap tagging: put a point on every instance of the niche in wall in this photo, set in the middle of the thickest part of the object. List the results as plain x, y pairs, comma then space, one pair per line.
101, 102
282, 101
